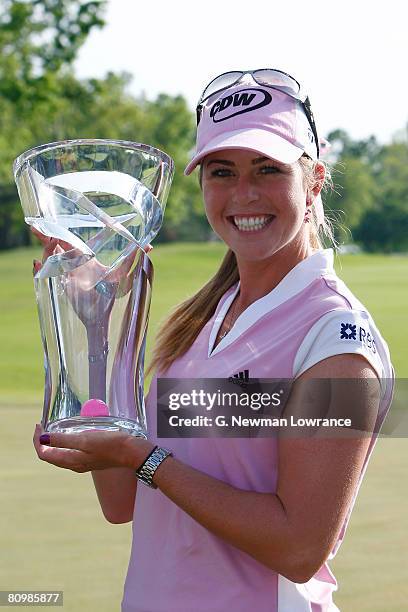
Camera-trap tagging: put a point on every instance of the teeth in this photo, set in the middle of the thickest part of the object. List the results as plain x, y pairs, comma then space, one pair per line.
251, 223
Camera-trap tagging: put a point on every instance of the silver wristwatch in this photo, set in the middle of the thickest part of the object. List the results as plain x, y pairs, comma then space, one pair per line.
147, 470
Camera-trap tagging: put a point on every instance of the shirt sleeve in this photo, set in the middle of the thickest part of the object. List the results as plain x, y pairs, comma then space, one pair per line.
339, 332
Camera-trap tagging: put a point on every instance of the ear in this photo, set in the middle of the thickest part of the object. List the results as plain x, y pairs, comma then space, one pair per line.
319, 176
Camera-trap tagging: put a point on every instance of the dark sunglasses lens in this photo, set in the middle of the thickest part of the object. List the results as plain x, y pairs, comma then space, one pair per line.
220, 82
309, 114
282, 81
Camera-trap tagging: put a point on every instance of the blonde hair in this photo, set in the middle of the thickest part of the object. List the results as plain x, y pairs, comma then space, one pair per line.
319, 233
178, 332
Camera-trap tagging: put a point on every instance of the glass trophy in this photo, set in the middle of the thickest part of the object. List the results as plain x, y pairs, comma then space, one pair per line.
104, 201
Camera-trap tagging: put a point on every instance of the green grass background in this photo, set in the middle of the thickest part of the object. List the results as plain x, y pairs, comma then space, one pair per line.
53, 534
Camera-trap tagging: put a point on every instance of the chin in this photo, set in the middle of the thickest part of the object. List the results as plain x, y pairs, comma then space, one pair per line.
254, 255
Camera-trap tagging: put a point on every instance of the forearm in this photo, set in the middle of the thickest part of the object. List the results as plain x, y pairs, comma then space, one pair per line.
116, 491
256, 523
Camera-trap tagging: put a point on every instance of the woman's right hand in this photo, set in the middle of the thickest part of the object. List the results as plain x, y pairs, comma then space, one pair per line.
90, 288
50, 245
53, 245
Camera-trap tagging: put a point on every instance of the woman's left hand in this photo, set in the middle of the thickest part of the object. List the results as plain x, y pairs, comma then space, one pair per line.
91, 450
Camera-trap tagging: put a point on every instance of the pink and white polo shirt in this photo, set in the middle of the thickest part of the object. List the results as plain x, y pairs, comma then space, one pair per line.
176, 565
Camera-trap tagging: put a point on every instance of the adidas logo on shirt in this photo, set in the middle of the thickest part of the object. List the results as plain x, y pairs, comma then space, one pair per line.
241, 379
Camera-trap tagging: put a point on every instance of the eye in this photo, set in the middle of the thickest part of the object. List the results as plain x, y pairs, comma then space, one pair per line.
221, 172
269, 169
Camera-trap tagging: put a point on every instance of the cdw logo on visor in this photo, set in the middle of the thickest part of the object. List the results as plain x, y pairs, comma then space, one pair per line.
243, 101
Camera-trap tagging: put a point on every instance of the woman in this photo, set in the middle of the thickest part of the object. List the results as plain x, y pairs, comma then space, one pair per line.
242, 523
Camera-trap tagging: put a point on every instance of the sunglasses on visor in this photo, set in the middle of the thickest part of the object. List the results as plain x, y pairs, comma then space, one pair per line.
268, 77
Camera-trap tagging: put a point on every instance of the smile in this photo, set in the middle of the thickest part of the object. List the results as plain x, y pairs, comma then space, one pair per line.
251, 224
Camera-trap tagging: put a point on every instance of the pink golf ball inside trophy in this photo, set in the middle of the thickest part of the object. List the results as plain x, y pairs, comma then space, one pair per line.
94, 408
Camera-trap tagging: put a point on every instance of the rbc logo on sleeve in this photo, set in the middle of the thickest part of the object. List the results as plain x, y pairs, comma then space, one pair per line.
348, 331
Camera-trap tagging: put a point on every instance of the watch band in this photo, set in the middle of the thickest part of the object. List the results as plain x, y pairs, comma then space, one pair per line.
147, 470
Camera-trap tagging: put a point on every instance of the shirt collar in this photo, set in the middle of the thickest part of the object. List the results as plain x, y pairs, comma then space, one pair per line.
303, 274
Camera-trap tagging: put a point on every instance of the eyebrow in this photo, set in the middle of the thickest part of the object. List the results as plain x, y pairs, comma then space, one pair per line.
227, 162
259, 160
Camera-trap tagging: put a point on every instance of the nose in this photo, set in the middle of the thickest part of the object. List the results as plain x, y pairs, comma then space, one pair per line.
245, 191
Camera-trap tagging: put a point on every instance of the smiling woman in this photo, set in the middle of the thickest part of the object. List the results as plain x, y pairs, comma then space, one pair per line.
249, 522
275, 308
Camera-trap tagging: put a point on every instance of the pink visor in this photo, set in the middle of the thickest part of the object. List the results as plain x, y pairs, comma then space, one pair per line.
261, 119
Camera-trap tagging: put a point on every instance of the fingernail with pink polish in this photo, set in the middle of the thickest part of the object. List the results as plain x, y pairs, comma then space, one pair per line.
45, 439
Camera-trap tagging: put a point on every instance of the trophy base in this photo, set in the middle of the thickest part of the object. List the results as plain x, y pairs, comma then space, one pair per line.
111, 423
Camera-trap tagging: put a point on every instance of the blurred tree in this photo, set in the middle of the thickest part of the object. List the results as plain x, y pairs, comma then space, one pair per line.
172, 129
41, 100
353, 194
385, 227
39, 40
369, 203
344, 147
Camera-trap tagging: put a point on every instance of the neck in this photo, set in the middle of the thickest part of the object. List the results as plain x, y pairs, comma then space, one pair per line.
258, 278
